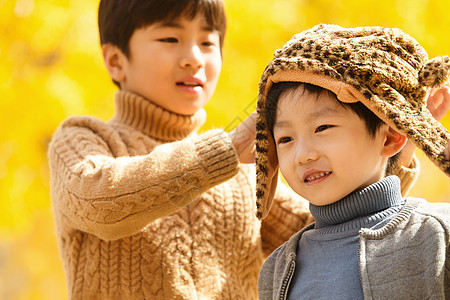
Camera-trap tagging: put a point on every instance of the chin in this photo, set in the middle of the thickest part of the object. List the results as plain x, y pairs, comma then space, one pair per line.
322, 203
187, 112
324, 200
189, 109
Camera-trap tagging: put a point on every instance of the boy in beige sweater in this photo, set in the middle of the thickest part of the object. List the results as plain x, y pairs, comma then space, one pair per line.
145, 207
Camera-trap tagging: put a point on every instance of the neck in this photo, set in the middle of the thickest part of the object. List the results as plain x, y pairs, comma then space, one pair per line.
374, 198
155, 121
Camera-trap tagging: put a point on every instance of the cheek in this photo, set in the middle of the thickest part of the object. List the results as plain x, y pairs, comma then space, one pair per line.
361, 155
287, 165
161, 67
213, 67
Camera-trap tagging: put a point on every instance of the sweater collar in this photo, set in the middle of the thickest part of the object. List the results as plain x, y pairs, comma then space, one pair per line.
372, 199
153, 120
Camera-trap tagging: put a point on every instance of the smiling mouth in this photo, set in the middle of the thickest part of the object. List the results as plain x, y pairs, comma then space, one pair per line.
190, 84
317, 176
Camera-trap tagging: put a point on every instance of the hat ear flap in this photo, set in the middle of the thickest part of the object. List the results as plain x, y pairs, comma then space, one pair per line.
264, 200
435, 72
266, 168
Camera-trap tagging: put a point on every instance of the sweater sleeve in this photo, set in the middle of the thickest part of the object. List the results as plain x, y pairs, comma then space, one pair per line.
101, 190
408, 176
289, 214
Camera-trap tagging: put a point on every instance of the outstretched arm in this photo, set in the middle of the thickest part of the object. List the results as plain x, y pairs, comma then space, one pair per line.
97, 187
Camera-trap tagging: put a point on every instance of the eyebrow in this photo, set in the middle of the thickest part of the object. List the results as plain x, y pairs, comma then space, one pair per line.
179, 26
281, 124
168, 24
323, 111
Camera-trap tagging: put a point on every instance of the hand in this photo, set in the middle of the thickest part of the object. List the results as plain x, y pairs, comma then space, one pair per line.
243, 139
438, 104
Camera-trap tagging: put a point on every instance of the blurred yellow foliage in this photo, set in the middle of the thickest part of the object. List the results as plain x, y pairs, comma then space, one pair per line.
51, 67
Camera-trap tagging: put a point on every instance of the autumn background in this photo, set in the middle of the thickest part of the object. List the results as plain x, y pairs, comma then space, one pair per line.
51, 68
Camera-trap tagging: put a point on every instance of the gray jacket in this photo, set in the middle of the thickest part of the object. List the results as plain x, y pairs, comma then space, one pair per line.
408, 258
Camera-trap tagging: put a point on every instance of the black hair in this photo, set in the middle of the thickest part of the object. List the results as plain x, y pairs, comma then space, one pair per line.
371, 121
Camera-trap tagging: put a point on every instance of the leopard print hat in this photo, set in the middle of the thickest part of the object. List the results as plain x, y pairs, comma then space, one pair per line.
384, 68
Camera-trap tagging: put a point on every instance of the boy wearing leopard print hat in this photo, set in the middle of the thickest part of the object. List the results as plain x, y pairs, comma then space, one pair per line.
335, 107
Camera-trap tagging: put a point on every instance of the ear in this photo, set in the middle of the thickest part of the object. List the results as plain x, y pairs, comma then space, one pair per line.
394, 142
114, 61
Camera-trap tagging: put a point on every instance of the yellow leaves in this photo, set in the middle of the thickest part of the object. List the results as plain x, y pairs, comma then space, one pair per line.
284, 13
51, 67
30, 267
23, 8
67, 91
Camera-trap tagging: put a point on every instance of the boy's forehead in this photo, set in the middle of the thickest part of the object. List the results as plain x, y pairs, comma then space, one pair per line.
182, 21
313, 104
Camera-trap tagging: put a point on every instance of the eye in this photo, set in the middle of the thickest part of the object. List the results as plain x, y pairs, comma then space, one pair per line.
284, 140
322, 128
169, 40
208, 44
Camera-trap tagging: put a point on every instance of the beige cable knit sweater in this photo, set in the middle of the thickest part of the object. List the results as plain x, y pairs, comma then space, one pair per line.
147, 209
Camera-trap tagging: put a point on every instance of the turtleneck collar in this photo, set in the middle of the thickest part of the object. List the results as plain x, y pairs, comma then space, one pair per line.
153, 120
375, 198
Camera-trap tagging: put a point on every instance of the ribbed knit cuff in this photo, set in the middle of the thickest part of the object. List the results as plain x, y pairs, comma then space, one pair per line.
408, 176
216, 150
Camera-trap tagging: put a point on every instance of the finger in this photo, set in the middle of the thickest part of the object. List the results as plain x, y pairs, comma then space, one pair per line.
439, 103
433, 101
446, 94
444, 106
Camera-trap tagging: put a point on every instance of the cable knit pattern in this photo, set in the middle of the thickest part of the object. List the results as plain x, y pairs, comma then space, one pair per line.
147, 209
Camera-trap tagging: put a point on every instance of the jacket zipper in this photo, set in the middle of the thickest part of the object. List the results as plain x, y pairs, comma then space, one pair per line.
287, 280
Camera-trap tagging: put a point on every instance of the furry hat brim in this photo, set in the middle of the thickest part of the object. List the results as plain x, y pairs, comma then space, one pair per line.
396, 91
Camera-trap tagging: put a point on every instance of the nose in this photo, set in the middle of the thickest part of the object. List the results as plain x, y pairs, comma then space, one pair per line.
192, 58
305, 153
